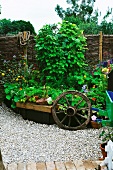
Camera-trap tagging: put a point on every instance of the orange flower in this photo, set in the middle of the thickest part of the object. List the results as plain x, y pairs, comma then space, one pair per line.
93, 98
20, 88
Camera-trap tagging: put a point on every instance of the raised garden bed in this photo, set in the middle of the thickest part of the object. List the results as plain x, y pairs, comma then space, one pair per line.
36, 113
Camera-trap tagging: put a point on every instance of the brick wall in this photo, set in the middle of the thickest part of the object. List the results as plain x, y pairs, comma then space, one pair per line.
9, 47
92, 53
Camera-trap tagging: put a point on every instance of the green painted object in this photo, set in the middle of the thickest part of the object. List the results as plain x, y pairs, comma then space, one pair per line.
109, 110
109, 104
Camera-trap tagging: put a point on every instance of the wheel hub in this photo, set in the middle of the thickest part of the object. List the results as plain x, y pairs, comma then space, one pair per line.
71, 111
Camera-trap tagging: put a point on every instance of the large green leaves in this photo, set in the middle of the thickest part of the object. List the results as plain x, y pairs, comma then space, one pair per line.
60, 53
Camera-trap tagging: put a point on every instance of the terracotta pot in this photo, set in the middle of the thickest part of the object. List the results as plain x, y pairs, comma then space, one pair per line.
96, 125
104, 153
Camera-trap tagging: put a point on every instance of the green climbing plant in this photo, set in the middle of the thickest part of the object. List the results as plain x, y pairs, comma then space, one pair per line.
60, 54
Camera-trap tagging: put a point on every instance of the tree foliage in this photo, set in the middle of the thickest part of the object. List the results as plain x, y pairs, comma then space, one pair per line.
13, 27
83, 14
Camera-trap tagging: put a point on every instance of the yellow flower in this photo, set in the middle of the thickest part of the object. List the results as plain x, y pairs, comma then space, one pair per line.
84, 76
93, 86
9, 70
18, 76
3, 74
104, 76
16, 79
104, 69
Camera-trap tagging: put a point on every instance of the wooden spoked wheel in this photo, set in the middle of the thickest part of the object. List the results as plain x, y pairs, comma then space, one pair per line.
71, 110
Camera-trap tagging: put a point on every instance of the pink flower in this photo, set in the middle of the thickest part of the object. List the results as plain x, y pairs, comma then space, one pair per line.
93, 117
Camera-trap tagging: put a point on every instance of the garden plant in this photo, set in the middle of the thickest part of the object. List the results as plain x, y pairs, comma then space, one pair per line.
60, 66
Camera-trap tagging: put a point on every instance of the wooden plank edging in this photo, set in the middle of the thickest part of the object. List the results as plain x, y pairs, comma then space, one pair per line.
32, 106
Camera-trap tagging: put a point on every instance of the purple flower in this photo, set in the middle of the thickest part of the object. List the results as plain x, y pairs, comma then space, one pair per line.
85, 88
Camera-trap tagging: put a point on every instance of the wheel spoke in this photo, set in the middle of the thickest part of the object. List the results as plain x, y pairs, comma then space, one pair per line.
64, 118
77, 120
81, 115
79, 102
83, 108
66, 100
61, 111
69, 123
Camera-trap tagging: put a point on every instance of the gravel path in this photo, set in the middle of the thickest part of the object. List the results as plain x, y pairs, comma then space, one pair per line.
23, 141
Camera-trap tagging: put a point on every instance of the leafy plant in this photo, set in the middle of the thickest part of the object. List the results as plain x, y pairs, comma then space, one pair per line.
17, 94
97, 86
60, 54
107, 134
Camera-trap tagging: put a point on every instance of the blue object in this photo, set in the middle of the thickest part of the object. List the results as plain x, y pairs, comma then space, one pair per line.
110, 95
95, 109
98, 120
105, 64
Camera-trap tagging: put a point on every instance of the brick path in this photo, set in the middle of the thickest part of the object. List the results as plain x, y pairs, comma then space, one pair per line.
70, 165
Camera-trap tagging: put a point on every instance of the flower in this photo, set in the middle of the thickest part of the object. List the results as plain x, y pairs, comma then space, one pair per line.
93, 118
14, 56
93, 98
85, 88
16, 79
3, 74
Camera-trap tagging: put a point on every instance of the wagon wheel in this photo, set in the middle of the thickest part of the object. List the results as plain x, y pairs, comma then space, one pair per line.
71, 110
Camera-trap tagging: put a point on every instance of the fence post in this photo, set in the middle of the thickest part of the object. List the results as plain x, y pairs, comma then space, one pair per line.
100, 46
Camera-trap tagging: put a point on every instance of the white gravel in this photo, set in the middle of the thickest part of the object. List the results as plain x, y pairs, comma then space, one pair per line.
22, 141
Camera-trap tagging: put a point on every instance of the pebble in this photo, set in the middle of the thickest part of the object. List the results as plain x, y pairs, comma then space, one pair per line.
24, 141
